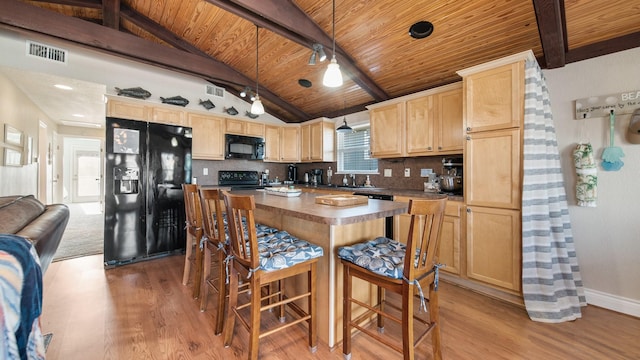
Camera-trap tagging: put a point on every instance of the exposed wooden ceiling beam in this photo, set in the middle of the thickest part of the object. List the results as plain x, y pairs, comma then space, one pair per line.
111, 13
178, 42
91, 4
34, 19
551, 25
606, 47
286, 19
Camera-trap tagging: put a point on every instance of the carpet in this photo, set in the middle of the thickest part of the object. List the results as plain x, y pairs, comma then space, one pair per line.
84, 234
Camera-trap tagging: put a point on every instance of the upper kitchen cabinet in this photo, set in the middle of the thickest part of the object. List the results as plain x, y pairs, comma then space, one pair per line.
272, 143
166, 115
494, 98
123, 109
282, 143
387, 135
449, 121
317, 140
240, 127
208, 137
421, 124
290, 144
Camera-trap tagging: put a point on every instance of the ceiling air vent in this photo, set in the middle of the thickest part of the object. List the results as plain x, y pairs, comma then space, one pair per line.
215, 91
46, 52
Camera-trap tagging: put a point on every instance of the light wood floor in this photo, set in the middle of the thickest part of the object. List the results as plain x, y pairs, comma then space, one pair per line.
142, 311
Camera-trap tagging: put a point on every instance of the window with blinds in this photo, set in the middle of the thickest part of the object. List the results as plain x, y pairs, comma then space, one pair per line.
354, 153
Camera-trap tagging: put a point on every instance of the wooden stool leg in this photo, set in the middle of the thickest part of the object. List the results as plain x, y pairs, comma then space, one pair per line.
197, 276
222, 290
254, 337
233, 302
187, 259
381, 304
434, 317
313, 334
346, 314
206, 274
407, 321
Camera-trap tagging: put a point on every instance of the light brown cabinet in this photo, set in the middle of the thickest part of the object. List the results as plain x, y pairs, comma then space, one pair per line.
126, 110
317, 140
493, 246
167, 116
449, 252
240, 127
290, 144
427, 123
495, 98
494, 114
272, 143
208, 137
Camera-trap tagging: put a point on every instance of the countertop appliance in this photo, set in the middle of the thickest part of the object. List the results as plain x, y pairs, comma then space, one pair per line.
292, 173
451, 180
244, 147
316, 177
145, 167
388, 221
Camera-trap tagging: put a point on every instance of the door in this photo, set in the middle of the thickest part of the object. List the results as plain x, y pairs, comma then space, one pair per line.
86, 175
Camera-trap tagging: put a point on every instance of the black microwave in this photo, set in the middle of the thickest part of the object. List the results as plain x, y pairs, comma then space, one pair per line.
244, 147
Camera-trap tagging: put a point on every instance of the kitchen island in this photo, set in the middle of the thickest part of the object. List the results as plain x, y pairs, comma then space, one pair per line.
330, 227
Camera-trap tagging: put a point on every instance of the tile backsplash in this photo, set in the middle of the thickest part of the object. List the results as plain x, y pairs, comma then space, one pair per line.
396, 181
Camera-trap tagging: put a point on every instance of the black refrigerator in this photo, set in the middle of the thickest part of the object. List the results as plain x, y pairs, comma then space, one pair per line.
145, 167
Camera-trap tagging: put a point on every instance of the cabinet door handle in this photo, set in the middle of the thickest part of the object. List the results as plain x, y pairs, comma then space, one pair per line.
439, 147
429, 148
468, 210
468, 137
468, 129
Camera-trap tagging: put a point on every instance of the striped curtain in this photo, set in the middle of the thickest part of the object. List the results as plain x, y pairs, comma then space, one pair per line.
551, 282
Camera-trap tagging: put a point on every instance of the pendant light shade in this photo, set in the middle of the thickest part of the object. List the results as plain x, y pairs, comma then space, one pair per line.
257, 108
344, 128
333, 76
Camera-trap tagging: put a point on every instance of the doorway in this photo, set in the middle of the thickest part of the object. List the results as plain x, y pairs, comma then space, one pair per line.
86, 176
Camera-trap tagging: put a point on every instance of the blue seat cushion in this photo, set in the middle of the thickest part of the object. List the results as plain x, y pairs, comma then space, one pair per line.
261, 230
282, 250
381, 255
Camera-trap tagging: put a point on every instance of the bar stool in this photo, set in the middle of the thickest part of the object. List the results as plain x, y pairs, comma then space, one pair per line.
276, 257
193, 255
216, 248
382, 262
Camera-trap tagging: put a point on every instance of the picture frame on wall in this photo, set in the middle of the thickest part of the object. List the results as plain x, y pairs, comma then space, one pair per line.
13, 136
12, 157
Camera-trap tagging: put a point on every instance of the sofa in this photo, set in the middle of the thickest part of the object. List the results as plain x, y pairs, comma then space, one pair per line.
41, 224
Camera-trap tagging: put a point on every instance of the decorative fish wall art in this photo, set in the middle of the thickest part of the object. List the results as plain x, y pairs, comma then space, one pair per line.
175, 100
135, 92
251, 115
231, 111
207, 104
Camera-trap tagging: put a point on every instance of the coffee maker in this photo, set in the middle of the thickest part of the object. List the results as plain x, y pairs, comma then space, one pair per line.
316, 176
292, 173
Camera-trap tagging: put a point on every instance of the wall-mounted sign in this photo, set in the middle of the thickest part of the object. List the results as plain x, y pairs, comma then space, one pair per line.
601, 106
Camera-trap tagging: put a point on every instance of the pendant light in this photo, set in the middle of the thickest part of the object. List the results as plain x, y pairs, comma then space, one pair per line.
344, 128
333, 76
256, 107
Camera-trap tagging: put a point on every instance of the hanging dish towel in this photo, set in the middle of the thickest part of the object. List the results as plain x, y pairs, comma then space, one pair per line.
587, 175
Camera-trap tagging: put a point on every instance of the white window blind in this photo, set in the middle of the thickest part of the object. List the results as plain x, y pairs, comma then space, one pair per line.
354, 152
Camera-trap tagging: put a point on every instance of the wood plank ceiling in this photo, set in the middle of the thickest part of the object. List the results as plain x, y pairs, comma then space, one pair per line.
216, 40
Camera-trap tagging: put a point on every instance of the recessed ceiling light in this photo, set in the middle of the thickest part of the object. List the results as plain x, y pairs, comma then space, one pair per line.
81, 124
78, 115
304, 83
63, 87
421, 29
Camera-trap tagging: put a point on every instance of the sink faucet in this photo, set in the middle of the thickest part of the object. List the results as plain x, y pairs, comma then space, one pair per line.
353, 180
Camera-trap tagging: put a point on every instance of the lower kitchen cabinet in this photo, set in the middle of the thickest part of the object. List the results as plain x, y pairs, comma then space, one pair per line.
493, 249
449, 253
450, 238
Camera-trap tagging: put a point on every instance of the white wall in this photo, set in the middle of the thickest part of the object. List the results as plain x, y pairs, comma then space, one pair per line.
607, 237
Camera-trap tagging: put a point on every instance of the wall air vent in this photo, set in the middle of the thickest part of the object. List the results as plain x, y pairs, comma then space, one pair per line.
46, 52
215, 91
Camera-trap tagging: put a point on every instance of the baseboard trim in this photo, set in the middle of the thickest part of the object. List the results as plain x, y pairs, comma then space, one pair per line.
612, 302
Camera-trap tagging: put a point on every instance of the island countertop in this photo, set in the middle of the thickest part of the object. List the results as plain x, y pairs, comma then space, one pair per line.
305, 207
